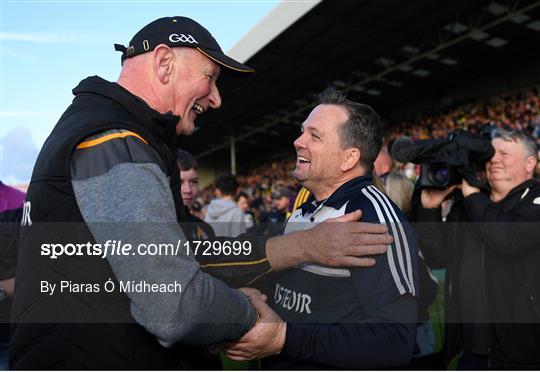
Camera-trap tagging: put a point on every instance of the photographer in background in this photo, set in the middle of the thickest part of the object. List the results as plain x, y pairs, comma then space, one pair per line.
492, 280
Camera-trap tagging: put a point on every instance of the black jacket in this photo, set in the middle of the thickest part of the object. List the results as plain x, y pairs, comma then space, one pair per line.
195, 228
454, 246
490, 251
87, 330
510, 231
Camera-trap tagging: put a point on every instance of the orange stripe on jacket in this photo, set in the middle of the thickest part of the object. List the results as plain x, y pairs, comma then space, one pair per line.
108, 137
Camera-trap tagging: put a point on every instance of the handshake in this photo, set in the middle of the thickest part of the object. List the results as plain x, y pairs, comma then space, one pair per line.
266, 338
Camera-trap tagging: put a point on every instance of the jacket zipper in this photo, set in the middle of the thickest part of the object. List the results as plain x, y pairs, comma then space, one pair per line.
484, 297
532, 301
484, 278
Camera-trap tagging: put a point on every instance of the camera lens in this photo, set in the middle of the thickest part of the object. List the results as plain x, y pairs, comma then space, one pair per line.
438, 174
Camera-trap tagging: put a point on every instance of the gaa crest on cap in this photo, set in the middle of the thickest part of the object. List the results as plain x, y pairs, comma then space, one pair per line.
181, 32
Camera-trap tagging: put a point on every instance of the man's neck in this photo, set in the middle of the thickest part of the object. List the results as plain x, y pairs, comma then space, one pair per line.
497, 196
499, 190
147, 95
322, 192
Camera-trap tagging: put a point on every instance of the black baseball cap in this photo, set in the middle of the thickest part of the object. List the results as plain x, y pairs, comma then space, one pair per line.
282, 192
182, 32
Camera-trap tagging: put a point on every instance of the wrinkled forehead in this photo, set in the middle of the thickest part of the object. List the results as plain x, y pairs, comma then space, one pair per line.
512, 146
326, 116
196, 57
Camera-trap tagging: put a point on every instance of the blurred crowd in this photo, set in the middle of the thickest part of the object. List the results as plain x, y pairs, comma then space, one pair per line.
515, 111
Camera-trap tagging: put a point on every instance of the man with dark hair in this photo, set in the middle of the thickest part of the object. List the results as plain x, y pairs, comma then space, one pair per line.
226, 185
489, 247
189, 177
223, 214
363, 130
194, 228
186, 161
271, 222
106, 183
281, 198
242, 202
325, 318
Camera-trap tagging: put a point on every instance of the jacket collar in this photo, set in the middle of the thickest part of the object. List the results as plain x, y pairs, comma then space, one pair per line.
164, 125
338, 197
528, 184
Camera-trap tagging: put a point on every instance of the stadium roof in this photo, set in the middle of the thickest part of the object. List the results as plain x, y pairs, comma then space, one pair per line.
385, 53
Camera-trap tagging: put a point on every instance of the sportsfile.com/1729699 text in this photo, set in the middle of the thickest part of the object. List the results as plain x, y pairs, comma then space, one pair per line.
114, 247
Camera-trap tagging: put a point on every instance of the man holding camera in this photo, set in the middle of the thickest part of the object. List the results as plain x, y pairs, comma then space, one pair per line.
492, 292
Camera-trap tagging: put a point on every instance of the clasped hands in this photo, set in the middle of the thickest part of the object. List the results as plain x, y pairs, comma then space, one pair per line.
267, 336
341, 240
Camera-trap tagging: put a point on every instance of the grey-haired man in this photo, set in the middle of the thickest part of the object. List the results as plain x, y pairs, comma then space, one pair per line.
491, 253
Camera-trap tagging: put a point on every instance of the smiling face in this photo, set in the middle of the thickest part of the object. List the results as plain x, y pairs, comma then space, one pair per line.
509, 166
318, 150
195, 89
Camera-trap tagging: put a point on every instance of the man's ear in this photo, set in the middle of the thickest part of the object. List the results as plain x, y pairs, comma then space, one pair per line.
351, 159
163, 62
530, 164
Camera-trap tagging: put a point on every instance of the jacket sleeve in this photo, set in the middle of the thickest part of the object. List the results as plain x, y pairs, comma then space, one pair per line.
10, 222
379, 342
511, 233
238, 270
131, 202
432, 236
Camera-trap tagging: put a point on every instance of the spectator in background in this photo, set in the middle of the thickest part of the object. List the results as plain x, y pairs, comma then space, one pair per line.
194, 228
271, 222
517, 111
400, 189
242, 201
280, 206
384, 164
189, 173
11, 202
223, 214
